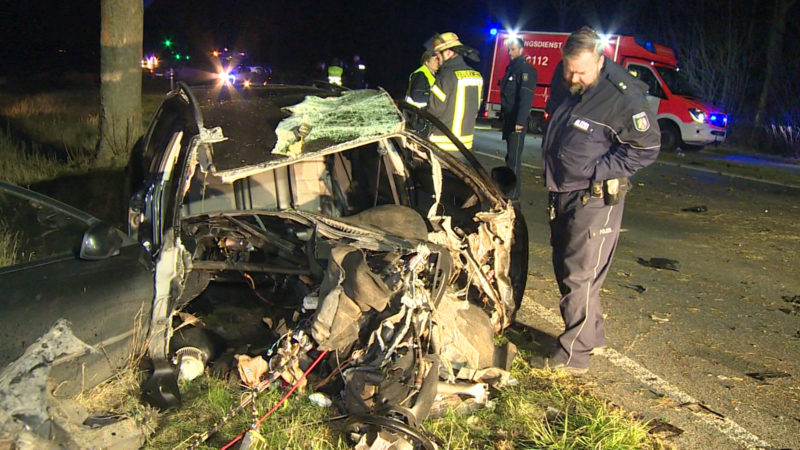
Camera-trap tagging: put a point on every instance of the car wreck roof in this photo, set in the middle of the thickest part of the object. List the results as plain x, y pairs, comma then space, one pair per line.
272, 126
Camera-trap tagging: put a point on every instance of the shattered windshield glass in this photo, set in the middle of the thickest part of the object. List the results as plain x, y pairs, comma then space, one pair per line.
317, 123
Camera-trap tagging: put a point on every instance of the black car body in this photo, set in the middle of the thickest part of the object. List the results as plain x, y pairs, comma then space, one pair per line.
61, 263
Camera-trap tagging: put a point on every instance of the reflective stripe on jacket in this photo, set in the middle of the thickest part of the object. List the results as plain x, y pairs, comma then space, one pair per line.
455, 99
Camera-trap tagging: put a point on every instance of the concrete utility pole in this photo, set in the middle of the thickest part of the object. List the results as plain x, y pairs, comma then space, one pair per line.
121, 25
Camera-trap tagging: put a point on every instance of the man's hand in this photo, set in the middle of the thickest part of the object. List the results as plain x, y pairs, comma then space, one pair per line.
518, 128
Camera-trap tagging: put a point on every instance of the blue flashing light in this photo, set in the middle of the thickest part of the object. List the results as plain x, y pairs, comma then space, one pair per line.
493, 31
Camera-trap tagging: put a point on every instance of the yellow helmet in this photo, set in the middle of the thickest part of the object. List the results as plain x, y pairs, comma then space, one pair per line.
446, 40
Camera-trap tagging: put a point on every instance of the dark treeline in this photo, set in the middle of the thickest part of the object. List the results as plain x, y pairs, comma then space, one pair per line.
740, 54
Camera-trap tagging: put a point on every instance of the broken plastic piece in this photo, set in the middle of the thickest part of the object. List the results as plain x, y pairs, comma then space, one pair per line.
101, 420
636, 287
320, 399
660, 263
697, 209
664, 427
763, 376
251, 369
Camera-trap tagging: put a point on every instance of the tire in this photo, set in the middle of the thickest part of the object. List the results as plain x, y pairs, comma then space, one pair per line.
519, 259
670, 136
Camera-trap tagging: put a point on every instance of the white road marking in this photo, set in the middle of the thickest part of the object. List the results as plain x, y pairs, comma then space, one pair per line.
660, 386
489, 155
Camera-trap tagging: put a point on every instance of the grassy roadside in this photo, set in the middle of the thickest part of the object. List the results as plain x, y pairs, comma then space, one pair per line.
544, 410
737, 161
48, 135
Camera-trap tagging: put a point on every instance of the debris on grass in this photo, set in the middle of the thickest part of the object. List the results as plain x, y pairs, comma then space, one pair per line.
696, 209
636, 287
660, 263
659, 319
764, 376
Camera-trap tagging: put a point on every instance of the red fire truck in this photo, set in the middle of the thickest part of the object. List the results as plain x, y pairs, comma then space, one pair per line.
685, 120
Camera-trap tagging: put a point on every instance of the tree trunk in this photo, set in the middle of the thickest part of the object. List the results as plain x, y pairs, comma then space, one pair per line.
776, 33
121, 25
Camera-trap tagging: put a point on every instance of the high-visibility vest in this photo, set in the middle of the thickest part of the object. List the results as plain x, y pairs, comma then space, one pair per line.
335, 75
414, 93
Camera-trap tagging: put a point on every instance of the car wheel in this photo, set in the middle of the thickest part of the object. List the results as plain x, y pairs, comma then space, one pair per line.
519, 259
670, 136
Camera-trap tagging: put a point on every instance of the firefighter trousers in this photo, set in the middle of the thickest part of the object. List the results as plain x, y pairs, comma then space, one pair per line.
583, 233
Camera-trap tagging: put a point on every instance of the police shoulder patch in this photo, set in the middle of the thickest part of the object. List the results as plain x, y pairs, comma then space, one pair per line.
641, 122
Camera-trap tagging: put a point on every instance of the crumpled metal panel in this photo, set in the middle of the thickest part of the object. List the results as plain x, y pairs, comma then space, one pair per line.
23, 383
462, 334
335, 325
496, 233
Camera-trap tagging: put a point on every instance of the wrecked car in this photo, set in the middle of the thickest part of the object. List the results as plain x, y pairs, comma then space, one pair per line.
338, 235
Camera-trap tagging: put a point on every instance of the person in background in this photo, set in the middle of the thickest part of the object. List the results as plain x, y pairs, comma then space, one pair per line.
356, 74
601, 131
421, 80
516, 96
335, 72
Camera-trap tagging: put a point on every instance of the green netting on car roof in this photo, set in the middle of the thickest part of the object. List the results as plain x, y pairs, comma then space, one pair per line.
336, 120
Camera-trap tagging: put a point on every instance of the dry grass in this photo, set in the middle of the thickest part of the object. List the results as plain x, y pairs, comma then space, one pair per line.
52, 134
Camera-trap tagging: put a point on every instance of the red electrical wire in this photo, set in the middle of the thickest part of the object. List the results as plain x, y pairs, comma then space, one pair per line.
277, 405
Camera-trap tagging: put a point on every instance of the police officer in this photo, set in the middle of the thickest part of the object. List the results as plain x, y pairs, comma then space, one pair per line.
601, 131
516, 96
421, 80
456, 93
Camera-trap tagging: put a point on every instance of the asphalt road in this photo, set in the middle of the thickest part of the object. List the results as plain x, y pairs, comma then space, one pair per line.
712, 349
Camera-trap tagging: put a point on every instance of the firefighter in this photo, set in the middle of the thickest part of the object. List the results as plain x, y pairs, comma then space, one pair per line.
601, 131
456, 93
421, 80
516, 96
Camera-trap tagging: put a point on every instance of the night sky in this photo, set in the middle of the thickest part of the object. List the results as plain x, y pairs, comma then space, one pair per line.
290, 36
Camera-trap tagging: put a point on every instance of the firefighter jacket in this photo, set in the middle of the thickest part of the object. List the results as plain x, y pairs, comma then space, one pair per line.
419, 86
608, 132
455, 99
516, 94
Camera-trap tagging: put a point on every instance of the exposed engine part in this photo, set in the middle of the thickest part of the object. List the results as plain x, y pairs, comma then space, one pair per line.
191, 362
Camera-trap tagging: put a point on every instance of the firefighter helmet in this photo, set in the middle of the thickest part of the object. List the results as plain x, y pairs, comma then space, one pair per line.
446, 40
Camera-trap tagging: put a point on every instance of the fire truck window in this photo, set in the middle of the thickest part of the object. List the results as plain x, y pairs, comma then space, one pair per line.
645, 74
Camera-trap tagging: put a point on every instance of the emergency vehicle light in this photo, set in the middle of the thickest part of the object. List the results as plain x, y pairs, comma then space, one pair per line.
493, 32
698, 115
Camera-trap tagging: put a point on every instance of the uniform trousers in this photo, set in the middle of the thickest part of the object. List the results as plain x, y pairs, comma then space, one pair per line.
583, 233
515, 142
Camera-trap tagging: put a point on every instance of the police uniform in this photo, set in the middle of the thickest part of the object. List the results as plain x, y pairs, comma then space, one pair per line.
419, 86
516, 97
608, 132
454, 99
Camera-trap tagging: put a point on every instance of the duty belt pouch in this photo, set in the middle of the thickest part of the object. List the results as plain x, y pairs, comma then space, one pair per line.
614, 189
